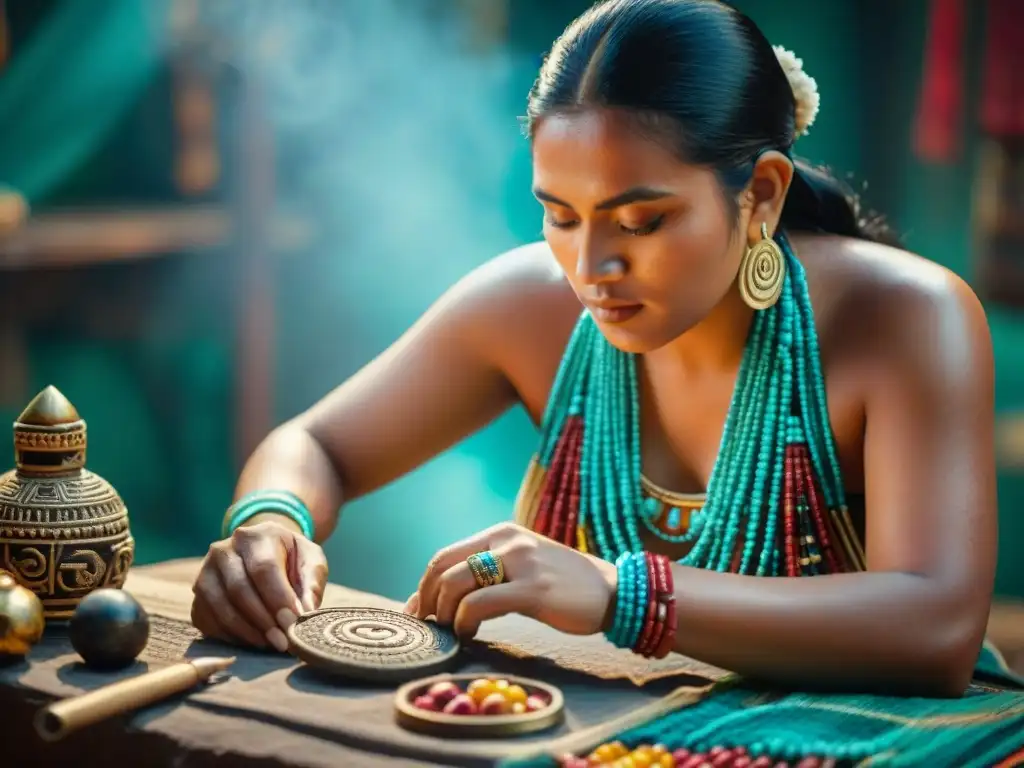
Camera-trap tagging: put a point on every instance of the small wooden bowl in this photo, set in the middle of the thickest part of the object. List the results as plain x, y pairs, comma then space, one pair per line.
477, 726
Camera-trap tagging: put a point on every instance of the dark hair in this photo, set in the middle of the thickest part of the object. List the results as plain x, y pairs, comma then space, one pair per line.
701, 75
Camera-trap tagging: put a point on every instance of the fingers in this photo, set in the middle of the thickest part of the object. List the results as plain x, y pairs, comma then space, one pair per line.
450, 556
204, 618
244, 599
491, 602
311, 564
214, 613
266, 568
412, 604
454, 585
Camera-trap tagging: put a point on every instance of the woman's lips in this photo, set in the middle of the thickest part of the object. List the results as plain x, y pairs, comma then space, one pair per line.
618, 313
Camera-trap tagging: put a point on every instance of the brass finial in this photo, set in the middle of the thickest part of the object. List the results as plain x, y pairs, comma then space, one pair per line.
49, 435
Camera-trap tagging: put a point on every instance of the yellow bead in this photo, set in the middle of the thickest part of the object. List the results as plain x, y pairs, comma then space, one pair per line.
605, 753
626, 761
642, 757
599, 755
501, 685
666, 761
659, 749
621, 750
515, 694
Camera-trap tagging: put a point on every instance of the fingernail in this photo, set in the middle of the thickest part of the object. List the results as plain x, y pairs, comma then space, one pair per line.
277, 639
299, 607
308, 603
286, 618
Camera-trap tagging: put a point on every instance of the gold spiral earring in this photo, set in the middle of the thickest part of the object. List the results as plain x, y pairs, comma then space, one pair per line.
762, 272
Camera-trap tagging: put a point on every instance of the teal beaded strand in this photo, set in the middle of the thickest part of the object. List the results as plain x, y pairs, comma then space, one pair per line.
631, 600
780, 377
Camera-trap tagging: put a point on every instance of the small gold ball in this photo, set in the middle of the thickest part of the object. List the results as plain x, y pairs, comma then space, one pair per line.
21, 617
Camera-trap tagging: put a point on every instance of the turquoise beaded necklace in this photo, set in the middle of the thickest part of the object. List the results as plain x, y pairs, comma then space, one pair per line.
775, 501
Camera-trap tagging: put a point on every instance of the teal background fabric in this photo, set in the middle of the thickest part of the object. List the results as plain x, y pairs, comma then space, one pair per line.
405, 150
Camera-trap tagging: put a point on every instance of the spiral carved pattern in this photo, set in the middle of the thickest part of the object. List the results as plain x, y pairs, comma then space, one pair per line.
762, 274
374, 637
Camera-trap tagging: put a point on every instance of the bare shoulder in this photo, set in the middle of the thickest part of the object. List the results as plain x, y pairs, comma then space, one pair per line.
520, 279
520, 310
884, 308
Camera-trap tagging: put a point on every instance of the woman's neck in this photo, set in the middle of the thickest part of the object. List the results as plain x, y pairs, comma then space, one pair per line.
715, 344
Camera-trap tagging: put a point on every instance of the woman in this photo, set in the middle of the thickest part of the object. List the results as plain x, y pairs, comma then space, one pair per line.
852, 442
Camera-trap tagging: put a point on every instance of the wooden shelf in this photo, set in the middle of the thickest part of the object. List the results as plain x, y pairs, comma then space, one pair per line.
84, 237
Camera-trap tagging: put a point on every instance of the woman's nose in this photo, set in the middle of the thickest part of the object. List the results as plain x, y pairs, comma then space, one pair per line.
596, 264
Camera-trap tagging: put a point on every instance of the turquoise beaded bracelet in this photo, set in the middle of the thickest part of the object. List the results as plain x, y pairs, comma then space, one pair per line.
277, 502
631, 600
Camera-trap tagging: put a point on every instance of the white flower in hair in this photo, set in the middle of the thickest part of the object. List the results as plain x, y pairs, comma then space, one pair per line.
805, 89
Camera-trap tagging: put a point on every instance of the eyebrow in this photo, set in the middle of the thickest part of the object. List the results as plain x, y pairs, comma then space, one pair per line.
633, 195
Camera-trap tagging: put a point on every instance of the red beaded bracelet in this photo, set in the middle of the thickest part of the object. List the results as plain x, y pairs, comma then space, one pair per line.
657, 637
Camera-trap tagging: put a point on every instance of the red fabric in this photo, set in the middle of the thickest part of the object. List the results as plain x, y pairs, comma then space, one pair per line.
940, 115
941, 106
1002, 107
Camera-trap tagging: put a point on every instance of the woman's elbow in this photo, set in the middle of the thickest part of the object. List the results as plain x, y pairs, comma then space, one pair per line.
947, 655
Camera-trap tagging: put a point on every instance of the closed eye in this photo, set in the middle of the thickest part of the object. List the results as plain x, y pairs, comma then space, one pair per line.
646, 229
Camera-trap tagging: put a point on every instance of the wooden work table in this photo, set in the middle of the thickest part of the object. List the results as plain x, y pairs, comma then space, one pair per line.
274, 711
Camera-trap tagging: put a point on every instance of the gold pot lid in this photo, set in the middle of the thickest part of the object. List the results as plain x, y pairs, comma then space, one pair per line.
49, 435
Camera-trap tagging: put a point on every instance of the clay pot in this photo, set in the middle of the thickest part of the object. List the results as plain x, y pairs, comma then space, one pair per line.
63, 530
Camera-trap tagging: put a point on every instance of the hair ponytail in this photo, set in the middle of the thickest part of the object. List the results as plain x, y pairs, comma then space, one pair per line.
819, 202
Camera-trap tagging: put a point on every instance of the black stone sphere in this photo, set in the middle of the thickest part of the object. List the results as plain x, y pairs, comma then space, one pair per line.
109, 629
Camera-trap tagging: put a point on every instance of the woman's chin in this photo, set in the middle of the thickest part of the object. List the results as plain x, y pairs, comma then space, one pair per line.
633, 341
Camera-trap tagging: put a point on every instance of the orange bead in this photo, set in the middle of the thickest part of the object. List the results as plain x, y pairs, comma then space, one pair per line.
481, 689
665, 760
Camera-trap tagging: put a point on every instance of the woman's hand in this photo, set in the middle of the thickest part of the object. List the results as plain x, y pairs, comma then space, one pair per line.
252, 586
544, 580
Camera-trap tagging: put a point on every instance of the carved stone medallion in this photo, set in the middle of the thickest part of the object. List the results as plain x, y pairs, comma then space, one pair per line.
372, 643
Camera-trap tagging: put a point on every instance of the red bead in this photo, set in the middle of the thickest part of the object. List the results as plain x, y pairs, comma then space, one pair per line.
554, 506
742, 761
560, 512
680, 755
694, 761
542, 522
643, 645
811, 490
666, 586
762, 762
809, 762
573, 514
789, 513
721, 760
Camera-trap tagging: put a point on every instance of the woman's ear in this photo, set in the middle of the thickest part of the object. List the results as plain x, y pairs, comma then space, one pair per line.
766, 192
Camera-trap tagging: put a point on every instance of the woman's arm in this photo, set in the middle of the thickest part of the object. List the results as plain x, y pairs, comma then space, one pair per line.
440, 382
915, 621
